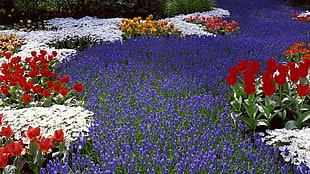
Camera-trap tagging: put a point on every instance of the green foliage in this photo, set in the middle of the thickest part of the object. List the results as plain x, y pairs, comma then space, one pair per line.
175, 7
38, 10
77, 43
26, 25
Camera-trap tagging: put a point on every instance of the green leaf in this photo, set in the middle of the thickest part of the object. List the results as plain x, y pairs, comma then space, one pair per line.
287, 99
305, 116
249, 122
251, 111
19, 162
262, 122
31, 165
236, 105
292, 124
11, 169
281, 114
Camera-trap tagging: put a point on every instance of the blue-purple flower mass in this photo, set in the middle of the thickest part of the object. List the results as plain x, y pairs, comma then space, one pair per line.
160, 104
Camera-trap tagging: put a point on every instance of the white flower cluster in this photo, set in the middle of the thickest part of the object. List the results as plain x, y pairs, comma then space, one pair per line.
304, 14
297, 143
71, 120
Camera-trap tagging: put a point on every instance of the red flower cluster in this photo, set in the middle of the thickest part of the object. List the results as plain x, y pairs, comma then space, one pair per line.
215, 24
248, 70
301, 19
276, 74
33, 135
15, 74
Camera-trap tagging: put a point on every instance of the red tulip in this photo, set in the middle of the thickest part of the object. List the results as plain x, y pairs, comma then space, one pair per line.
269, 88
43, 52
302, 90
248, 77
54, 53
231, 80
271, 65
27, 86
58, 136
63, 91
280, 79
54, 75
4, 157
45, 72
16, 147
283, 69
57, 86
295, 15
5, 89
8, 55
44, 65
233, 71
1, 118
32, 133
79, 87
45, 144
303, 70
50, 84
26, 98
294, 74
64, 79
46, 93
33, 53
7, 131
249, 88
244, 65
255, 67
37, 89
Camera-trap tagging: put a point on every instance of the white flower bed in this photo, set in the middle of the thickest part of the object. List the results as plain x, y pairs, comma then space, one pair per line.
295, 142
71, 119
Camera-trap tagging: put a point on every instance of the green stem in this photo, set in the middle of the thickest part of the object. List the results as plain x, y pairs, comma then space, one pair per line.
280, 93
300, 113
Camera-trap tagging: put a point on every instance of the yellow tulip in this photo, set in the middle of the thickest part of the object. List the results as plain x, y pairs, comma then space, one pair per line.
164, 29
151, 16
153, 30
129, 30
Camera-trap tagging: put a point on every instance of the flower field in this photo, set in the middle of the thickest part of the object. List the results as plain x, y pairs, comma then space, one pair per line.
161, 104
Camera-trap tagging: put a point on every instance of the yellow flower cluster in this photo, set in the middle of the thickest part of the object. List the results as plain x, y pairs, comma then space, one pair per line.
9, 44
137, 27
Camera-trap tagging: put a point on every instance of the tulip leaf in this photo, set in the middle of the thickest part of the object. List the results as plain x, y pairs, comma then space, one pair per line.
262, 122
292, 124
20, 162
260, 108
9, 169
287, 99
251, 110
236, 105
305, 116
249, 122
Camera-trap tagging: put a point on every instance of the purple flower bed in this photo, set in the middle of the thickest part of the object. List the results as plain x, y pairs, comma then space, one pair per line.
160, 104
